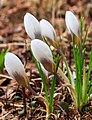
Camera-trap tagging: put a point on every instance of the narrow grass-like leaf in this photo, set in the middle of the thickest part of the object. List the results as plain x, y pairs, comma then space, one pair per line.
81, 25
90, 65
2, 56
84, 85
90, 91
78, 77
52, 94
41, 74
52, 89
43, 79
87, 87
85, 37
71, 80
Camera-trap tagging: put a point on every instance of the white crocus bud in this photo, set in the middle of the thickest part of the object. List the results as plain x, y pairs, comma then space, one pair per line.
43, 54
32, 26
16, 69
72, 23
47, 30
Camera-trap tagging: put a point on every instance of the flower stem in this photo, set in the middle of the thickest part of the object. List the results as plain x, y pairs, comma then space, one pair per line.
52, 94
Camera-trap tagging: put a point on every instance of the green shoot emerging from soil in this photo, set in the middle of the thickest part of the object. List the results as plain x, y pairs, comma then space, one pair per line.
79, 88
43, 36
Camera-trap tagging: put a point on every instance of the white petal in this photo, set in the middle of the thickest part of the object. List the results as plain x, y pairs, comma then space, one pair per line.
45, 72
47, 30
15, 68
43, 54
41, 50
32, 26
72, 23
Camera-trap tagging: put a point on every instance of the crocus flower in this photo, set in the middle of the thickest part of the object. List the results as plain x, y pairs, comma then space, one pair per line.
47, 30
43, 54
72, 23
32, 26
16, 69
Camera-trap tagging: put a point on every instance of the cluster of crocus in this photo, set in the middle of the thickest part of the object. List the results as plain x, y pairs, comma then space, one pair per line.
39, 30
82, 84
36, 29
41, 51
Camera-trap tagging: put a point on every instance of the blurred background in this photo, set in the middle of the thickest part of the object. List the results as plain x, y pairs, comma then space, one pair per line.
12, 32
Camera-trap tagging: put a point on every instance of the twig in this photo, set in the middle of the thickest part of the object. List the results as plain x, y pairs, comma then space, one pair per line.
61, 109
18, 105
30, 89
5, 76
18, 7
11, 44
3, 117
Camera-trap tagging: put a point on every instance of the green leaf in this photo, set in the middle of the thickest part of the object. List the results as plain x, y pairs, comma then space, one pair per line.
71, 80
52, 89
43, 79
90, 91
90, 65
42, 76
52, 94
2, 56
84, 87
81, 24
85, 37
88, 87
79, 71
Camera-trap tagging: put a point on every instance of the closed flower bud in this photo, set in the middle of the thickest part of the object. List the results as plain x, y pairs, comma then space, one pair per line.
16, 69
72, 23
47, 30
32, 26
43, 54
